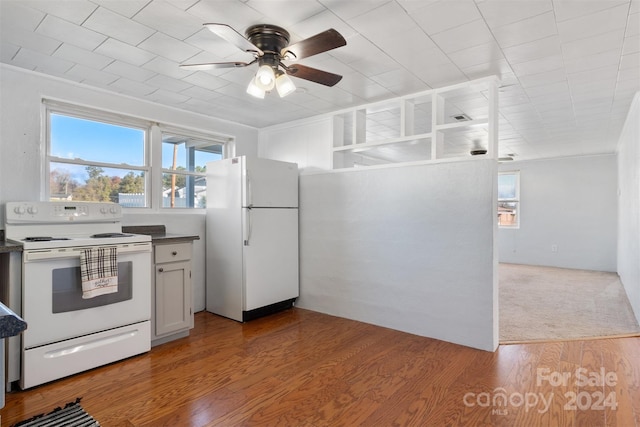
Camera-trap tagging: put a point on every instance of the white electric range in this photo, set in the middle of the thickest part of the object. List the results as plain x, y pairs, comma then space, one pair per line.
67, 333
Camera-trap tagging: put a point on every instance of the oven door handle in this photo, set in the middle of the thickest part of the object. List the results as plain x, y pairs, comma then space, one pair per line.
44, 254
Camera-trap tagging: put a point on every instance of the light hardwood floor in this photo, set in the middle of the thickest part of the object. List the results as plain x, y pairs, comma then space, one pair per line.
301, 368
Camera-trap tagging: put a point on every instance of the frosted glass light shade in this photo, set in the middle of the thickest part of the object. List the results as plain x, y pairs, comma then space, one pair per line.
254, 90
265, 78
284, 85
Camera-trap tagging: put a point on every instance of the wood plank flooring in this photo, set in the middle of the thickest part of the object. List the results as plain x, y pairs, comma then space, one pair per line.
302, 368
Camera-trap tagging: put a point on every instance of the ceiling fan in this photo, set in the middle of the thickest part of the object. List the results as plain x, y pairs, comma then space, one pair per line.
269, 44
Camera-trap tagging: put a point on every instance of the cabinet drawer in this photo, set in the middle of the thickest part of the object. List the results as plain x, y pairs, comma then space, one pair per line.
173, 252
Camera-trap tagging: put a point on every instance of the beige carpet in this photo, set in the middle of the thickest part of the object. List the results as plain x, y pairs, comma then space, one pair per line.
549, 304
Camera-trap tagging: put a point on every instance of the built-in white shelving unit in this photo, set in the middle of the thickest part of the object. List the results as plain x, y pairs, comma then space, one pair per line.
441, 123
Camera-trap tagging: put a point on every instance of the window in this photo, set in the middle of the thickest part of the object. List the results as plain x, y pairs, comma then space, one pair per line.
509, 199
94, 159
99, 156
184, 163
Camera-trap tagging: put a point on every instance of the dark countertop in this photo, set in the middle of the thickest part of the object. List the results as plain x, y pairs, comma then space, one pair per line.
6, 246
159, 234
10, 323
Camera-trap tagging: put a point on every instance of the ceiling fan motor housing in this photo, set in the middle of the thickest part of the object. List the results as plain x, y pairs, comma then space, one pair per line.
270, 39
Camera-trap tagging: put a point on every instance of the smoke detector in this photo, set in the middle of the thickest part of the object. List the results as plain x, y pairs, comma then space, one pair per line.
461, 117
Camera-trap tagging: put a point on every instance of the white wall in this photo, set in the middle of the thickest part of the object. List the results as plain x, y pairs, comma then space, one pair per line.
20, 145
629, 206
409, 248
567, 202
307, 143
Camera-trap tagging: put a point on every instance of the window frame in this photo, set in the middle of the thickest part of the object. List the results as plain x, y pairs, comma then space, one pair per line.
152, 157
515, 199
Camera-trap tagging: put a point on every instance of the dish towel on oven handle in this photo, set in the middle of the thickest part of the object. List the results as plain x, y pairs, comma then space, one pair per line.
99, 271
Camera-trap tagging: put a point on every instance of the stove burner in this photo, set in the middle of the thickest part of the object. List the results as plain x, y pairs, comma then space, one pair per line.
106, 235
43, 239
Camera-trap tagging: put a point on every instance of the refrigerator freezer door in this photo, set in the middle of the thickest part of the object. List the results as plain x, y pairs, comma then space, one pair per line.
270, 257
270, 183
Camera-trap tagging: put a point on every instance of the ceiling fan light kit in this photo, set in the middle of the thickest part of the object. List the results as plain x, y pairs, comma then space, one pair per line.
269, 44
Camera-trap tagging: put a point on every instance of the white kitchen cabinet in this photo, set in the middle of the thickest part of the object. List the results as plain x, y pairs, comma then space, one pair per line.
172, 306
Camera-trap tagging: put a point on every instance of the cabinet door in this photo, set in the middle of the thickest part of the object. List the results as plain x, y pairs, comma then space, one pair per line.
173, 297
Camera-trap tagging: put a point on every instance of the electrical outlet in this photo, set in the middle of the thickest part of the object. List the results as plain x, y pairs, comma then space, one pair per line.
554, 248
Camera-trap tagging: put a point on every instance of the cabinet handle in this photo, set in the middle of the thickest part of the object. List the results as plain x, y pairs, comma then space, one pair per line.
161, 270
174, 253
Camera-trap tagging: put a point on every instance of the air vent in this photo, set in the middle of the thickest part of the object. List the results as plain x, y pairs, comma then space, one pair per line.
478, 152
461, 117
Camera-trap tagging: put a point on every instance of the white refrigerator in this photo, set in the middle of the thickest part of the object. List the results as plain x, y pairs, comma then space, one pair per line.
252, 237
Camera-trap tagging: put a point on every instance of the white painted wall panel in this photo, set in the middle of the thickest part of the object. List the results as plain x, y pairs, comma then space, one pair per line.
306, 143
567, 202
409, 248
629, 206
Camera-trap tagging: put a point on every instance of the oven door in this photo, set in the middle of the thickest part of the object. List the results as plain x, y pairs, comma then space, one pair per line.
53, 306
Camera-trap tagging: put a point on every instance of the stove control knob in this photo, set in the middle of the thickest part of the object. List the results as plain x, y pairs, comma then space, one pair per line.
32, 210
104, 210
114, 210
19, 210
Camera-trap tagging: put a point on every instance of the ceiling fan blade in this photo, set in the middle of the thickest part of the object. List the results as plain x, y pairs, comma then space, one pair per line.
235, 38
313, 74
319, 43
212, 65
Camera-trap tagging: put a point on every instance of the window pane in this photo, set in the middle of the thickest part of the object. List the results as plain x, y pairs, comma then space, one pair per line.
181, 152
183, 191
507, 184
74, 138
96, 184
508, 214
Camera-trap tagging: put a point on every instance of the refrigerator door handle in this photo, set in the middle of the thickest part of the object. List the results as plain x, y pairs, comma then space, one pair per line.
249, 191
247, 226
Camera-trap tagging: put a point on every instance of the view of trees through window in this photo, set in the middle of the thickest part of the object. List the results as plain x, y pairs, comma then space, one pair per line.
91, 159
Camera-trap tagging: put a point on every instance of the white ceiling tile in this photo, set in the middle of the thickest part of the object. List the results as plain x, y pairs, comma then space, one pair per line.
167, 68
124, 52
17, 14
605, 21
350, 9
29, 40
183, 4
319, 23
77, 13
546, 78
586, 63
166, 96
70, 33
476, 55
465, 36
540, 48
126, 8
132, 88
539, 65
549, 90
631, 44
205, 80
168, 83
236, 14
592, 45
628, 74
286, 12
201, 93
633, 25
527, 30
631, 60
499, 68
609, 72
91, 75
7, 52
395, 19
129, 71
168, 47
440, 16
38, 61
502, 12
82, 56
571, 9
169, 19
117, 26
